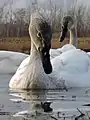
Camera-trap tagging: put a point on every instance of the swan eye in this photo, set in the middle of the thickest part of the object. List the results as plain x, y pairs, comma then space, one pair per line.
39, 34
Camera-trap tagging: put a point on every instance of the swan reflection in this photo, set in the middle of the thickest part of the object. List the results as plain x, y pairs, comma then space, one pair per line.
39, 108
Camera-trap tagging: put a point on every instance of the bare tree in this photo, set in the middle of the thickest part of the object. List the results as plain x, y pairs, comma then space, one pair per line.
15, 23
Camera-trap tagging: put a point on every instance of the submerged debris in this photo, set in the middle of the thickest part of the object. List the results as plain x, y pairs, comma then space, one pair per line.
46, 106
82, 116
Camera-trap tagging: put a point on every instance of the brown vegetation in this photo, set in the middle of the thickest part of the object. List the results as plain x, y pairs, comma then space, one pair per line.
83, 43
15, 44
23, 44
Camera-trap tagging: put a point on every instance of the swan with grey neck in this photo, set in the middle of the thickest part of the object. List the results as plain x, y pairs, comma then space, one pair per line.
33, 73
69, 24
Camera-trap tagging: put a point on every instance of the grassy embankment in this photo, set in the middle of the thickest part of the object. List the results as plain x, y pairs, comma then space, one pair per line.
23, 44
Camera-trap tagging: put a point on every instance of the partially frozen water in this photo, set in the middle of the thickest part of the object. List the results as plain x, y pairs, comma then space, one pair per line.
17, 105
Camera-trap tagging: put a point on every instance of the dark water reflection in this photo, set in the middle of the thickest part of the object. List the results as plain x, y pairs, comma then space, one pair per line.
26, 105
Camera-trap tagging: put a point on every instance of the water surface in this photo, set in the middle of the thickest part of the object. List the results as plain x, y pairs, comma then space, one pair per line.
17, 105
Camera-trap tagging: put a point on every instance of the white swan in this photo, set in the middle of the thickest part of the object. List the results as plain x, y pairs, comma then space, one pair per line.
73, 66
72, 42
10, 61
32, 73
57, 52
69, 24
38, 105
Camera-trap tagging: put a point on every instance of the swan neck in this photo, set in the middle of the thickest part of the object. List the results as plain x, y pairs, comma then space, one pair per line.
33, 49
73, 36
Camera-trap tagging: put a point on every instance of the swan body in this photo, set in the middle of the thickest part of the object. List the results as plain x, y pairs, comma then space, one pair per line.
10, 61
66, 48
88, 54
56, 52
74, 67
44, 81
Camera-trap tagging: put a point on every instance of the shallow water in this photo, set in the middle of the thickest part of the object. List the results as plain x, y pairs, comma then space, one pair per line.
17, 105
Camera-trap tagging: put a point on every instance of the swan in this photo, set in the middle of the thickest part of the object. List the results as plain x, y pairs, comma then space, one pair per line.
73, 66
39, 108
34, 71
9, 63
69, 24
72, 42
57, 52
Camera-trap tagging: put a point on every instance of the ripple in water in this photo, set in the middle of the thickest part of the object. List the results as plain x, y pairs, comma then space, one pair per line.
73, 104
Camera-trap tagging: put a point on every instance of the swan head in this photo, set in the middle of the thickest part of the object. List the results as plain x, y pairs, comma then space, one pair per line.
41, 34
67, 24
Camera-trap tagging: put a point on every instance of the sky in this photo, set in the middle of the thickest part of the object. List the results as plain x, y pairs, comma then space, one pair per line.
60, 2
26, 3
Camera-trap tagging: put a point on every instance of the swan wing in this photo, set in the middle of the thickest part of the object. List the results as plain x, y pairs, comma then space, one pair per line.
74, 67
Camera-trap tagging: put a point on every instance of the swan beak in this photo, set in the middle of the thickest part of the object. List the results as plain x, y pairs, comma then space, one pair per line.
63, 33
45, 57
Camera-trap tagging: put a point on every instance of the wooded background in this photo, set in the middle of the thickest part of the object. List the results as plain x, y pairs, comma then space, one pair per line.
14, 23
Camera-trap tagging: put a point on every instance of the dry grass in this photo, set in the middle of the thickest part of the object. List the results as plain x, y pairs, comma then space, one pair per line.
23, 44
83, 43
15, 44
